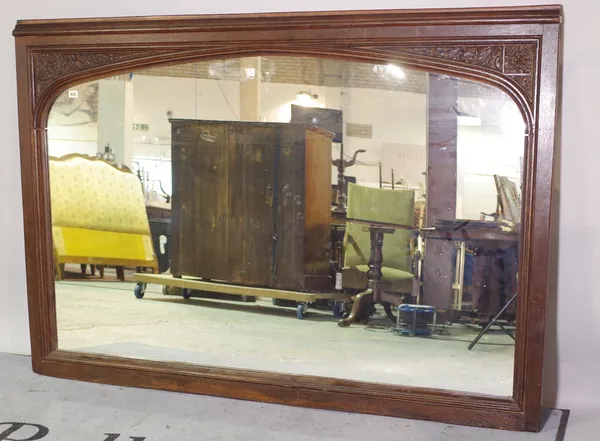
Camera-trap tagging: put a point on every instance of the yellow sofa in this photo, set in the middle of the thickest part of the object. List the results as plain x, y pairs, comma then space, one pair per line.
98, 215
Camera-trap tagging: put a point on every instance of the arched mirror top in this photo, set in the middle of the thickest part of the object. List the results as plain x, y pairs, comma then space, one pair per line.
55, 71
481, 64
508, 61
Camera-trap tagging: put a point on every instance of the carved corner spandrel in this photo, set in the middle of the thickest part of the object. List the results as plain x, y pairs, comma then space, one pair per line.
49, 67
515, 61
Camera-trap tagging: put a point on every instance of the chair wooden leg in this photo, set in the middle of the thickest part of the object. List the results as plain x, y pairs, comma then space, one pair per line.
392, 298
101, 271
361, 301
60, 273
83, 268
93, 269
372, 294
121, 273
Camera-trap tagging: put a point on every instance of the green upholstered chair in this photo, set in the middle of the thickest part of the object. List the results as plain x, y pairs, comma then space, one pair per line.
385, 206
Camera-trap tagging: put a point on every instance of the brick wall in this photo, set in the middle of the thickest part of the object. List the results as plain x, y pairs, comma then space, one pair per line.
369, 76
292, 70
214, 69
359, 130
310, 71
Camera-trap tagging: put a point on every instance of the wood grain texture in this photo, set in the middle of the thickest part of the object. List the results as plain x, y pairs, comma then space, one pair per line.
463, 43
241, 197
536, 242
290, 20
442, 172
251, 181
317, 209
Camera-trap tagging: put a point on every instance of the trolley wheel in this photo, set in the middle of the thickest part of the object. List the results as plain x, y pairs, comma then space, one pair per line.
186, 293
140, 290
301, 310
389, 311
249, 299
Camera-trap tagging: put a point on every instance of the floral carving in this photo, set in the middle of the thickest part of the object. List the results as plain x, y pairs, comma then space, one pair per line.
49, 66
485, 56
518, 59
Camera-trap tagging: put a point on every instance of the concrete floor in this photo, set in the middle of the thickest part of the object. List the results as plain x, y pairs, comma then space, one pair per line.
105, 317
73, 410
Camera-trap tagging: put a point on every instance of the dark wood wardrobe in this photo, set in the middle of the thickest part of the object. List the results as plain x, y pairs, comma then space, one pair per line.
251, 203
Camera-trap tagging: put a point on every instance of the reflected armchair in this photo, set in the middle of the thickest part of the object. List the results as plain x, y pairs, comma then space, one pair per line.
389, 270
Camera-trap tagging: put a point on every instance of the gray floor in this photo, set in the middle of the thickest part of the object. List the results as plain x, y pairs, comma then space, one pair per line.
72, 410
105, 317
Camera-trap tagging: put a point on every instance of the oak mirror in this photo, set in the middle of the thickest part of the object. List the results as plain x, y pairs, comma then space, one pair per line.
339, 218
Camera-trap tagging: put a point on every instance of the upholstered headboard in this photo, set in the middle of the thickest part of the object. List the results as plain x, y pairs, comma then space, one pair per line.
98, 213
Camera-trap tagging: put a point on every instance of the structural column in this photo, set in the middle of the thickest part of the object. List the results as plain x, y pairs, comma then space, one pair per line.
250, 89
442, 134
115, 118
333, 82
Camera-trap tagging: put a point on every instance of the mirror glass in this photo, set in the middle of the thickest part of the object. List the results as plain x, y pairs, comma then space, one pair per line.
288, 214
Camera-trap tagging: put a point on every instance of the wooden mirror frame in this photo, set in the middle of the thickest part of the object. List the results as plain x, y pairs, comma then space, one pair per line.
514, 49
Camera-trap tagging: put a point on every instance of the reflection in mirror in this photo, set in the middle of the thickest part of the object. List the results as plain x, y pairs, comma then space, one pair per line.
199, 210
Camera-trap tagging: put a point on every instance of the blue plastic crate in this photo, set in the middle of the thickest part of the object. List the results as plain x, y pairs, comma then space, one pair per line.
409, 314
422, 309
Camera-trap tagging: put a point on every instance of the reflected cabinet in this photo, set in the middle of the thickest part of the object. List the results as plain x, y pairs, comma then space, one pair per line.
249, 203
339, 210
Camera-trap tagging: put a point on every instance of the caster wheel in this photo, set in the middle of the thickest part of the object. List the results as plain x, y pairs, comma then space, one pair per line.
301, 310
140, 290
165, 289
248, 299
276, 302
186, 293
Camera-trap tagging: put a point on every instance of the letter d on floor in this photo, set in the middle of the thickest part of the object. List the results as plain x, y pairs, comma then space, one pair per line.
19, 431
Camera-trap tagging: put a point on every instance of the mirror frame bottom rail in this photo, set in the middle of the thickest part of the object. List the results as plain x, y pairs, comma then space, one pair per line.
517, 50
295, 390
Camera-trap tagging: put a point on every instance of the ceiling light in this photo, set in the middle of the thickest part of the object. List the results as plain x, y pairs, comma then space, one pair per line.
395, 71
305, 99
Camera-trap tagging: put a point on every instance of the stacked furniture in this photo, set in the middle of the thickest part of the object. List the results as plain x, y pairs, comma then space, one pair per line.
98, 215
252, 203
